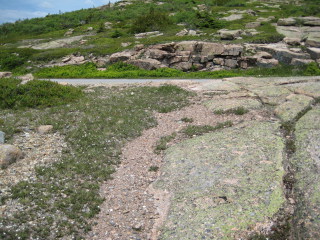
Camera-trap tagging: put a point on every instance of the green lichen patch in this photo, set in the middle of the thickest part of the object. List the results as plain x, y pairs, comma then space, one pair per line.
311, 89
272, 95
306, 163
290, 109
223, 183
228, 105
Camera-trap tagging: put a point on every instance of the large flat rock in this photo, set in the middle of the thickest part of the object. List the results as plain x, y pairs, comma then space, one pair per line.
294, 105
223, 183
311, 89
272, 95
306, 162
221, 104
218, 86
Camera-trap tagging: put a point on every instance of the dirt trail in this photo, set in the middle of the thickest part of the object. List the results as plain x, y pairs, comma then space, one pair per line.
131, 209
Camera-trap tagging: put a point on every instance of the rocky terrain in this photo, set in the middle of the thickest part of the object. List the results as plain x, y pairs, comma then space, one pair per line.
230, 158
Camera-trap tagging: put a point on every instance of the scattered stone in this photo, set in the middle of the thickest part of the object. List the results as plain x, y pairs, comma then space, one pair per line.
108, 25
90, 29
69, 32
126, 44
287, 22
44, 129
253, 24
2, 137
9, 154
148, 34
26, 78
232, 17
5, 74
226, 34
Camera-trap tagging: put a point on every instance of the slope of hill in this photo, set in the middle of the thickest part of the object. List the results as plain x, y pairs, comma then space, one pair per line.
96, 33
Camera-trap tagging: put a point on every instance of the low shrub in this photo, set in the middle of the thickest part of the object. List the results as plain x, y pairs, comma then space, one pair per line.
35, 93
312, 69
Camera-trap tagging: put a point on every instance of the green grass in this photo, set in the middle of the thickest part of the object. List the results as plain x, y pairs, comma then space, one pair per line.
35, 93
187, 120
195, 130
162, 144
60, 200
89, 70
236, 111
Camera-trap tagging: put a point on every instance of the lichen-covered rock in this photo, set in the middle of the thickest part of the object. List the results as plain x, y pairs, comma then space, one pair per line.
9, 154
223, 184
311, 89
294, 105
219, 104
272, 95
43, 129
307, 166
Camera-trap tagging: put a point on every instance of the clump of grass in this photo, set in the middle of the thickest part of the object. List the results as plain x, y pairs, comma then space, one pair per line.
61, 198
162, 144
194, 130
187, 120
35, 93
236, 111
153, 169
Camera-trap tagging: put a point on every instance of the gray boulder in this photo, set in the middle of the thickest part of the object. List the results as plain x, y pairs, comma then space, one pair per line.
148, 64
226, 34
9, 154
2, 137
314, 53
287, 22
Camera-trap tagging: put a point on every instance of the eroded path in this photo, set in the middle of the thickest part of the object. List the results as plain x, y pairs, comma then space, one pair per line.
226, 184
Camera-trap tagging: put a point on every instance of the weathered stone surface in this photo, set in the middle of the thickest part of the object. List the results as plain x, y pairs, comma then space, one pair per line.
313, 43
226, 34
9, 154
314, 53
58, 43
294, 105
5, 74
186, 46
148, 64
267, 63
306, 222
217, 86
121, 56
287, 22
231, 63
232, 50
232, 17
148, 34
310, 21
300, 62
292, 41
311, 89
43, 129
183, 66
223, 183
253, 24
272, 95
218, 104
212, 49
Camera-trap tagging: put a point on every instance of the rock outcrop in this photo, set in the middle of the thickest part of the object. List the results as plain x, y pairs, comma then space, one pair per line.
210, 56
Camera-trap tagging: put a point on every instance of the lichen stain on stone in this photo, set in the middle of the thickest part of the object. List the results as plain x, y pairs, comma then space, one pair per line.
217, 192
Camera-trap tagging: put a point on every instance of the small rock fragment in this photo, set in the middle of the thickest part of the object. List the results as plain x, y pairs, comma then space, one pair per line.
44, 129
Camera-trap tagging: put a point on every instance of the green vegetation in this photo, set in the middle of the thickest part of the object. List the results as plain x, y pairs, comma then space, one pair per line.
194, 130
123, 70
154, 169
35, 93
236, 111
162, 144
187, 120
62, 197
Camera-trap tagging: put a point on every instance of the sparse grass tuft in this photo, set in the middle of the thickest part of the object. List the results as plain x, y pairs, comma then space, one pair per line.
236, 111
153, 169
162, 144
187, 120
194, 130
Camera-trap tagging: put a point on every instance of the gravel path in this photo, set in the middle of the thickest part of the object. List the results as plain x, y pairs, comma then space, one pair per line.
132, 209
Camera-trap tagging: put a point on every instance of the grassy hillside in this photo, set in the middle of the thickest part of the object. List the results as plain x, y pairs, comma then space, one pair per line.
125, 18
